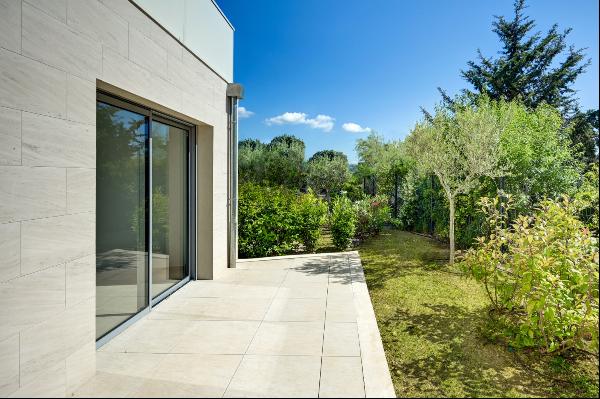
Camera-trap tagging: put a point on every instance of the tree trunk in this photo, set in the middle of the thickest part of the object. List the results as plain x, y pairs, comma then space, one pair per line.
451, 202
395, 196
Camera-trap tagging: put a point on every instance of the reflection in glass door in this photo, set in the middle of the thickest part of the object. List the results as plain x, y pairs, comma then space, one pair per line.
142, 239
169, 206
121, 213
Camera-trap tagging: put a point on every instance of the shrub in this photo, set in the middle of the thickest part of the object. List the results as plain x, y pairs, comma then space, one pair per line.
541, 275
276, 220
586, 199
343, 222
310, 211
372, 214
265, 221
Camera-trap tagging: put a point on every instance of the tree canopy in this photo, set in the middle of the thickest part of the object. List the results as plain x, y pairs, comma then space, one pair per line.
534, 68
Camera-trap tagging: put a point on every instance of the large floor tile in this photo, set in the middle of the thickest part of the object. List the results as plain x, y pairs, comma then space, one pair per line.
303, 290
341, 311
140, 365
190, 375
213, 289
289, 309
150, 336
108, 385
341, 377
212, 309
276, 376
288, 338
217, 337
341, 339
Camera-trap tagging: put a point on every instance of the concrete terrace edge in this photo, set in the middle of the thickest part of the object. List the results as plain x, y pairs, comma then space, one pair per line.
283, 257
376, 373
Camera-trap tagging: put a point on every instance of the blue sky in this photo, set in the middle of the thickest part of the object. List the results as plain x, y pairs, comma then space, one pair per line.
371, 62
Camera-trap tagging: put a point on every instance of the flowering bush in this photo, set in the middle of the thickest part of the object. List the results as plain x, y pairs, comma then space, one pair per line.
372, 214
541, 275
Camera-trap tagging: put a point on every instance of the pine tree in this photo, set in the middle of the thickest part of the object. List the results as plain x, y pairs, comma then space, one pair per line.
532, 67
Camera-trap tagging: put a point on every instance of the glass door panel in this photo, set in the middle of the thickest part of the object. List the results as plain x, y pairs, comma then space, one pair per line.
169, 206
121, 216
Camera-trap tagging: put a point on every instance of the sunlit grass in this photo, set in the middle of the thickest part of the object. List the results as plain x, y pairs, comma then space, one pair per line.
433, 322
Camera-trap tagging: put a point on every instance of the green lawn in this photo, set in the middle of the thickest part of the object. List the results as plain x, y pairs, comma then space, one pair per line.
433, 325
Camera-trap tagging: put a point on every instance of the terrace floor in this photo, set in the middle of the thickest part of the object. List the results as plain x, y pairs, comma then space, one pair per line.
295, 326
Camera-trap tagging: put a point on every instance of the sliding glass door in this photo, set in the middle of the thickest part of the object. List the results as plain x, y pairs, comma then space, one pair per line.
121, 215
142, 210
169, 206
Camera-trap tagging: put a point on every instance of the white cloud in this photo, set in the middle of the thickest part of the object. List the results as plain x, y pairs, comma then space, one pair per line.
355, 128
244, 113
323, 122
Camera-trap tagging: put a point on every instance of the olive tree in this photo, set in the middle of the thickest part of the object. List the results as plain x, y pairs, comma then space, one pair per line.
327, 171
459, 148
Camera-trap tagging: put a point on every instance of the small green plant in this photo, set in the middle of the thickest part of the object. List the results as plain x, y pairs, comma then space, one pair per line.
343, 222
541, 275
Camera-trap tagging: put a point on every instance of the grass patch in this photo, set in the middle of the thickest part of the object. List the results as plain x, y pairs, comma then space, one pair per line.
438, 338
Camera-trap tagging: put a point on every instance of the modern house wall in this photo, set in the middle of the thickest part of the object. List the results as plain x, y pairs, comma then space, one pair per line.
54, 56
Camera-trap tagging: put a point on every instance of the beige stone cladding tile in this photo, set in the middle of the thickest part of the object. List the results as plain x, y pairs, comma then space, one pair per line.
10, 136
80, 367
56, 340
187, 78
42, 346
9, 365
57, 142
46, 242
210, 375
139, 21
81, 100
276, 376
100, 23
49, 383
27, 193
55, 8
341, 339
121, 72
79, 323
288, 338
54, 43
341, 377
27, 300
80, 280
10, 25
32, 86
131, 14
81, 190
217, 337
166, 41
195, 105
129, 76
146, 53
10, 250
